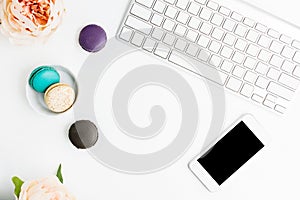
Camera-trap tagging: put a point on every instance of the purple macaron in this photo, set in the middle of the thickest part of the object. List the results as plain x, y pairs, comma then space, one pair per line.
92, 38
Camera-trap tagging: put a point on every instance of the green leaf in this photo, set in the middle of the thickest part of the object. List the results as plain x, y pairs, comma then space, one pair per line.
59, 174
18, 184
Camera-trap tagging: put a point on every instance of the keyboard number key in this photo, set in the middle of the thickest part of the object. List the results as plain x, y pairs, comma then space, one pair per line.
276, 47
194, 8
264, 41
205, 14
217, 19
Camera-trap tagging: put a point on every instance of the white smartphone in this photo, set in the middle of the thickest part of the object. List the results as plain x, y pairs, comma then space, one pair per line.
222, 159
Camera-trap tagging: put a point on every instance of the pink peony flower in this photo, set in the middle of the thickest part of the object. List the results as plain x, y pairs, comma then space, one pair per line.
28, 21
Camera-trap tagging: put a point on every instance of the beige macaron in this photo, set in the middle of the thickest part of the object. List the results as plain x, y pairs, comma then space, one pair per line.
59, 97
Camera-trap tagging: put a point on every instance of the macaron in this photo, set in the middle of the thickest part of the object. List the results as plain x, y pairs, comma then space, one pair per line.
59, 97
83, 134
43, 77
92, 38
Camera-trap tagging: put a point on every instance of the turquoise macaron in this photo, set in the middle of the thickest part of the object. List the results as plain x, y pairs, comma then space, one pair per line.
43, 77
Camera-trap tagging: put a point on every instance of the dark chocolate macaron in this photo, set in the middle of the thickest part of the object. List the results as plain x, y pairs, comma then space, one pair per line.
83, 134
92, 38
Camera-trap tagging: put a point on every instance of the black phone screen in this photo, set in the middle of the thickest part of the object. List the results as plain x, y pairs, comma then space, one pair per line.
231, 153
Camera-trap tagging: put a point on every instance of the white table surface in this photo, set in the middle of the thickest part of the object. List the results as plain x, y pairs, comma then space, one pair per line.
32, 145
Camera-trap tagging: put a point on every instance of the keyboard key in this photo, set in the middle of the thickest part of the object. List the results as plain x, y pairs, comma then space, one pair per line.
183, 17
159, 7
262, 82
126, 34
227, 66
249, 22
203, 2
238, 57
288, 52
137, 39
180, 30
286, 39
217, 19
280, 91
296, 57
224, 11
276, 47
273, 74
262, 68
241, 44
194, 23
288, 66
269, 103
206, 28
203, 41
192, 36
236, 16
180, 44
252, 50
205, 14
229, 25
170, 1
147, 3
264, 41
240, 30
141, 12
261, 28
296, 44
169, 39
297, 72
280, 109
247, 90
162, 51
213, 5
192, 50
252, 36
234, 84
149, 45
276, 61
250, 63
204, 55
238, 71
182, 4
215, 46
289, 81
169, 25
215, 61
226, 52
257, 98
207, 72
264, 56
273, 33
157, 20
250, 77
138, 25
194, 8
217, 34
157, 33
171, 12
229, 39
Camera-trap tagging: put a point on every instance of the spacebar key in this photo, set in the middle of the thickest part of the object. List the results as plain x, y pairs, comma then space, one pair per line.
138, 25
204, 70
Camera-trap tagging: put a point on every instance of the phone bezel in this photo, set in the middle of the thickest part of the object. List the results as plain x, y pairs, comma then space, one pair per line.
203, 175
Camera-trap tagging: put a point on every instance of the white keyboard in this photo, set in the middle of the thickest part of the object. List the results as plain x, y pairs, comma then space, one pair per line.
252, 60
